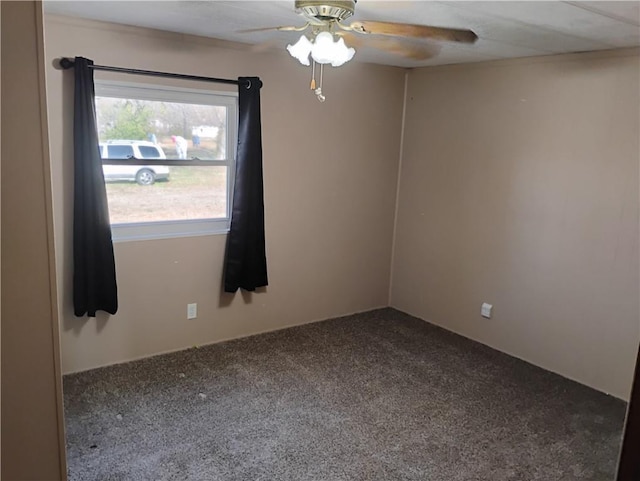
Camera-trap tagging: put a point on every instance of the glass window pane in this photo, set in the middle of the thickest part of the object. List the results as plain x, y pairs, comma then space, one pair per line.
192, 192
142, 122
182, 130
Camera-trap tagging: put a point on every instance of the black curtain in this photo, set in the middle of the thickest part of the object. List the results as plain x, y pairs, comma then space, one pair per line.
94, 271
245, 257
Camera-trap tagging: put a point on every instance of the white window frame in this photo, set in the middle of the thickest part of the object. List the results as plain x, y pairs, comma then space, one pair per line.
187, 227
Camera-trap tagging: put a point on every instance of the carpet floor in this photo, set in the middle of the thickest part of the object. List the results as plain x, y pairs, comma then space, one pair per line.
373, 396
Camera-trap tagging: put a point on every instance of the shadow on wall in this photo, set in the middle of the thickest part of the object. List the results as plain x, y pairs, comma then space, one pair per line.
76, 324
226, 298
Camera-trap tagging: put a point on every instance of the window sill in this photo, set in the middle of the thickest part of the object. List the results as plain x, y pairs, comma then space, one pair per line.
168, 229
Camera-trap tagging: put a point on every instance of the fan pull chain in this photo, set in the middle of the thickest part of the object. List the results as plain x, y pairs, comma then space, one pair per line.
313, 75
318, 91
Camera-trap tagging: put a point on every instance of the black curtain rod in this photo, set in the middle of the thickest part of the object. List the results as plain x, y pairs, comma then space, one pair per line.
67, 63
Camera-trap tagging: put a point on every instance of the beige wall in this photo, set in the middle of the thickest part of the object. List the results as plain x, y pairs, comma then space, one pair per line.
330, 179
31, 428
519, 187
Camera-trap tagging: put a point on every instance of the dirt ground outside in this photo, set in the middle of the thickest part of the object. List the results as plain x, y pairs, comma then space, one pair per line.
190, 193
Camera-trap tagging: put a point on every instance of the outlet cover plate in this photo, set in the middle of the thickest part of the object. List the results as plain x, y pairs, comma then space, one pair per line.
485, 310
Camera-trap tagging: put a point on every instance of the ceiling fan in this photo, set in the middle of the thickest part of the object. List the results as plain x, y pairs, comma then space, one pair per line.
325, 21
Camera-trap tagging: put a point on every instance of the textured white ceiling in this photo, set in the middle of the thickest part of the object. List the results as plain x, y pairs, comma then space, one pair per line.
505, 29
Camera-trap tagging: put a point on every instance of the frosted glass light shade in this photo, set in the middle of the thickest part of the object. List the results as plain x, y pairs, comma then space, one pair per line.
301, 50
325, 50
342, 53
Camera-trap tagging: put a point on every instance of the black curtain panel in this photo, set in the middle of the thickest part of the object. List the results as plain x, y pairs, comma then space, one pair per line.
245, 257
94, 271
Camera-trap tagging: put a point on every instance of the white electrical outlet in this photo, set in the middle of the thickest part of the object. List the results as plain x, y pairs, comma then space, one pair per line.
485, 310
192, 311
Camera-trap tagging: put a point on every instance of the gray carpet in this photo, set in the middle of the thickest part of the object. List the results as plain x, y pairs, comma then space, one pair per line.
374, 396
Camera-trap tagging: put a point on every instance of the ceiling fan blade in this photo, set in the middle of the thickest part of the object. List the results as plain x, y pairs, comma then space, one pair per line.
395, 46
270, 29
417, 31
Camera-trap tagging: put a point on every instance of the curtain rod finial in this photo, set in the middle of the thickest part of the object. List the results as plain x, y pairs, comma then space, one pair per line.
66, 63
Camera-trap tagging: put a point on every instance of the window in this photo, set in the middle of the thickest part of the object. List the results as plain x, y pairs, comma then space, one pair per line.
168, 159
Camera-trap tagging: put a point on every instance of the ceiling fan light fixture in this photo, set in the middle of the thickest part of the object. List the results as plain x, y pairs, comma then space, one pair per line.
301, 50
323, 50
325, 20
